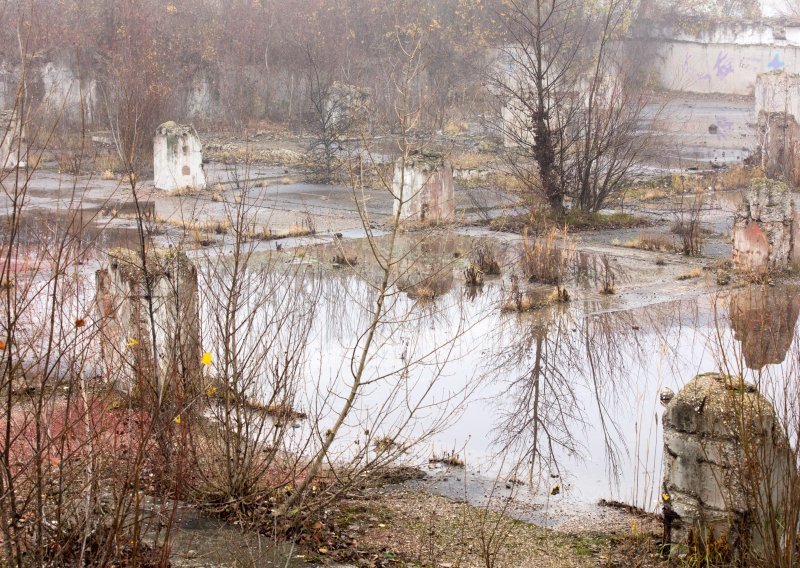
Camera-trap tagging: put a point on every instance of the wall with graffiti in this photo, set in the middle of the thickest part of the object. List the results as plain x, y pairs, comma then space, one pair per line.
720, 68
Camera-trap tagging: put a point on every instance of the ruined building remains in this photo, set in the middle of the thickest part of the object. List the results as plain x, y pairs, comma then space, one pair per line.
11, 133
764, 227
125, 303
778, 111
177, 157
423, 188
728, 468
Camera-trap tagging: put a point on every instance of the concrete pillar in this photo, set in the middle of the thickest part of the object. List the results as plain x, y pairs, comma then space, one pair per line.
177, 158
728, 468
763, 228
124, 303
11, 133
423, 189
777, 96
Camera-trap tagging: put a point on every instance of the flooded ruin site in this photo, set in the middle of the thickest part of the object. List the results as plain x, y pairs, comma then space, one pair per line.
421, 283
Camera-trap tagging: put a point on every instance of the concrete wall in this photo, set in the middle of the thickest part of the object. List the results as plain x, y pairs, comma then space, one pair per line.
720, 68
177, 158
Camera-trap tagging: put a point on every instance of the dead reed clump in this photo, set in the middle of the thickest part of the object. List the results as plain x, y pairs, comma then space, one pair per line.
738, 176
655, 242
484, 256
431, 284
522, 301
447, 457
341, 259
547, 260
695, 272
473, 275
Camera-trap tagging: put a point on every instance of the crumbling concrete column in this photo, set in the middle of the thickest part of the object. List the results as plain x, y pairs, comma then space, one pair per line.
763, 229
177, 157
11, 133
728, 468
778, 112
133, 312
423, 188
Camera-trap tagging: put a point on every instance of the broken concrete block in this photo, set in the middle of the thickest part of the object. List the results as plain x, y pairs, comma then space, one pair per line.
763, 227
145, 305
728, 467
177, 158
11, 133
423, 188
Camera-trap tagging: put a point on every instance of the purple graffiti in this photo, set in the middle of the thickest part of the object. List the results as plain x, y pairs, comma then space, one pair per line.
776, 63
724, 127
723, 67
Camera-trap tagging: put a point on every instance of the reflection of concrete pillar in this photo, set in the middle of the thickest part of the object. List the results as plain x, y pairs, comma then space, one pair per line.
423, 189
763, 320
762, 229
125, 303
728, 468
177, 157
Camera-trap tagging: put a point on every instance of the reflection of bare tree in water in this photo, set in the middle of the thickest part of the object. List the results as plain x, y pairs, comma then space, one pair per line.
763, 320
553, 362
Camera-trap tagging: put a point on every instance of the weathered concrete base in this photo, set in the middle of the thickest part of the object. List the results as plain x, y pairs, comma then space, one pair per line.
763, 230
126, 303
423, 189
728, 468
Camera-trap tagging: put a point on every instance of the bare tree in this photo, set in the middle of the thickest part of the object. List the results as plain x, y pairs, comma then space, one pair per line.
569, 122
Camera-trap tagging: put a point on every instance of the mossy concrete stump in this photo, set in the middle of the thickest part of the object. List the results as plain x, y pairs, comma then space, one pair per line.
728, 468
150, 323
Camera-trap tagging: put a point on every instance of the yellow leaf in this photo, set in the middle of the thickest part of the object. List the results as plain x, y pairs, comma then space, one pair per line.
178, 419
132, 342
665, 497
206, 360
323, 550
211, 390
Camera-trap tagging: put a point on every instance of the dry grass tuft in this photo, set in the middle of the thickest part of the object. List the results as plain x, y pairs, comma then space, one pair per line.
695, 272
653, 242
